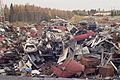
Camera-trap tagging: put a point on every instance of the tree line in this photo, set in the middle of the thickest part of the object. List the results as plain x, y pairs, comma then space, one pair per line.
31, 13
115, 12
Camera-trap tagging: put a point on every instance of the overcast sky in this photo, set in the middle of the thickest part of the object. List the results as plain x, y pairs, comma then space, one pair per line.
70, 4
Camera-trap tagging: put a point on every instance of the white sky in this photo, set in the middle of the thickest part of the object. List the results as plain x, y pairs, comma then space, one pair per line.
70, 4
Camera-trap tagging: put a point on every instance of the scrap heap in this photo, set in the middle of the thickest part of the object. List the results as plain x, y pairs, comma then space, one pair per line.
60, 49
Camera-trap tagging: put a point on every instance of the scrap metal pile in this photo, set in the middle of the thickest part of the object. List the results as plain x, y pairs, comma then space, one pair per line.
60, 50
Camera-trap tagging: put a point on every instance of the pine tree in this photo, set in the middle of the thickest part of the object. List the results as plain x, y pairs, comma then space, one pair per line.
11, 15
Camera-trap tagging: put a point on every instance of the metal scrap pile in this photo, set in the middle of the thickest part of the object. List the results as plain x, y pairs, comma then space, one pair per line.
61, 50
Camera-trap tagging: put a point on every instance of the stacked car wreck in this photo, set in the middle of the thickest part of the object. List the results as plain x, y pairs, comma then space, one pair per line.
60, 49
